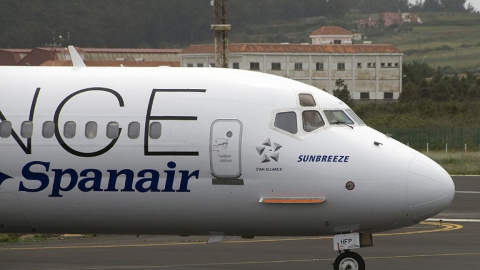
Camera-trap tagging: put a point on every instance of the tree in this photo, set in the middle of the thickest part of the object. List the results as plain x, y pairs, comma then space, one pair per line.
337, 8
431, 5
341, 92
454, 5
403, 5
473, 92
416, 72
409, 93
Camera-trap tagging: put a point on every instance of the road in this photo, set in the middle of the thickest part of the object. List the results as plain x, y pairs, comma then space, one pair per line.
452, 244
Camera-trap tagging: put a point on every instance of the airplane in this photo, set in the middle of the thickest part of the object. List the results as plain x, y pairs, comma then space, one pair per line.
201, 151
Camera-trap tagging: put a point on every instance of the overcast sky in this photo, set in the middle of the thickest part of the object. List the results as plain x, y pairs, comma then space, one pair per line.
475, 3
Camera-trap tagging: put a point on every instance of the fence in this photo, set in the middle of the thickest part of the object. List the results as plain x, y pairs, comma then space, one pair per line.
437, 139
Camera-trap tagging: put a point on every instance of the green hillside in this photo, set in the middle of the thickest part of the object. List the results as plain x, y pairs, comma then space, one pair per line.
448, 40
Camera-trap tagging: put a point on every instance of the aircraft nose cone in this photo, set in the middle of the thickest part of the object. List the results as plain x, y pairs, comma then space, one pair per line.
430, 188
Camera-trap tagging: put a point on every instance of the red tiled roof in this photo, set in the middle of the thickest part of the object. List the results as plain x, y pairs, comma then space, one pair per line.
110, 50
295, 48
127, 50
113, 63
11, 57
39, 55
17, 50
330, 30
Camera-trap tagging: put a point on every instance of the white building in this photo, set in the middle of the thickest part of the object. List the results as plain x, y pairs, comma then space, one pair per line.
371, 72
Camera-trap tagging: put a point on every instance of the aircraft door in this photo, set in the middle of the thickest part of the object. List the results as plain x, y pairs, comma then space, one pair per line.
225, 148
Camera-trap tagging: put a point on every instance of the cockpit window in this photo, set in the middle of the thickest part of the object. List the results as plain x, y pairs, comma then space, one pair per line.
338, 117
286, 121
306, 100
312, 120
355, 117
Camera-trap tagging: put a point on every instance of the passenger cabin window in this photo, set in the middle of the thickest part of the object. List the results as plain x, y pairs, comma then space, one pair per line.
133, 130
26, 130
312, 120
155, 130
69, 129
113, 130
306, 100
48, 129
286, 121
5, 129
338, 117
91, 130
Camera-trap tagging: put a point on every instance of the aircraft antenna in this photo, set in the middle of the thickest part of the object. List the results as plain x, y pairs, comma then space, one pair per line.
220, 29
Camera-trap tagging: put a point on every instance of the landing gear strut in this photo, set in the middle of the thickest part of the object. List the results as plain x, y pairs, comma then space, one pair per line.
349, 261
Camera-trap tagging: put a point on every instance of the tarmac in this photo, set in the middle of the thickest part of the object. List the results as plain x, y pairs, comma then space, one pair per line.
449, 241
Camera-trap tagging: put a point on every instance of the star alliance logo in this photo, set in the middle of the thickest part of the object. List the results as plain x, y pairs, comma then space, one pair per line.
269, 151
3, 177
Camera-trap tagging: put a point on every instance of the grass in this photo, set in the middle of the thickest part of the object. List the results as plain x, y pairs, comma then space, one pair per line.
457, 31
458, 163
451, 114
429, 41
13, 238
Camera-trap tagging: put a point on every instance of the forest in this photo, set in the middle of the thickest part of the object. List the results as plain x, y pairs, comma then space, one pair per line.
169, 23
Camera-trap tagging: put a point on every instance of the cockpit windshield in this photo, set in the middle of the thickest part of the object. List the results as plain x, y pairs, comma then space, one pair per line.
307, 117
355, 117
338, 117
312, 120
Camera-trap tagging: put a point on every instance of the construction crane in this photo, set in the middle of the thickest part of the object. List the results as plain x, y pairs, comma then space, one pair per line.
220, 29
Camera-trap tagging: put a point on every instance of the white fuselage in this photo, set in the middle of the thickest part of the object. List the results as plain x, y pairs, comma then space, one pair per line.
197, 151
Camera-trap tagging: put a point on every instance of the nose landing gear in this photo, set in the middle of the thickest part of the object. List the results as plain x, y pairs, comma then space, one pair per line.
345, 242
349, 261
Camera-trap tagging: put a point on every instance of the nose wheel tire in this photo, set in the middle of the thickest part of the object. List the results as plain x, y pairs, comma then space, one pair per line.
349, 261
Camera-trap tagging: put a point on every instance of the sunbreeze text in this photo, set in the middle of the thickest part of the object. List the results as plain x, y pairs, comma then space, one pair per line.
323, 158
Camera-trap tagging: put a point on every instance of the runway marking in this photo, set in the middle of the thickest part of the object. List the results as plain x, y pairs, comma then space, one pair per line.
467, 192
103, 246
455, 219
162, 244
440, 227
201, 264
425, 255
